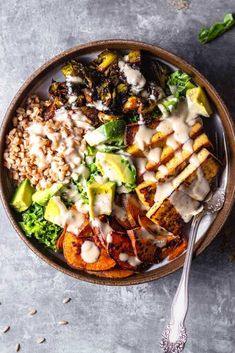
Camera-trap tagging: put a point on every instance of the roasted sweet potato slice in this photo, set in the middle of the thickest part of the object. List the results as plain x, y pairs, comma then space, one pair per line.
72, 253
144, 246
175, 250
113, 273
121, 248
60, 240
130, 132
116, 225
133, 208
99, 237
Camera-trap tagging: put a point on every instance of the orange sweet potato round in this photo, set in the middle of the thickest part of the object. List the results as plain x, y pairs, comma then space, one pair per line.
113, 273
72, 253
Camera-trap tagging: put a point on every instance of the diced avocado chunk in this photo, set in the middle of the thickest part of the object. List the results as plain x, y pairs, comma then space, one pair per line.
111, 132
116, 167
42, 196
55, 210
22, 198
100, 198
198, 99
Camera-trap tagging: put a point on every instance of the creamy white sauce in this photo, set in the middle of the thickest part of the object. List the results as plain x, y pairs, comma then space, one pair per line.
143, 136
94, 138
132, 260
104, 227
109, 238
163, 191
199, 187
80, 120
140, 164
171, 142
185, 205
188, 146
99, 105
119, 212
154, 154
149, 176
194, 160
163, 170
102, 204
74, 79
89, 252
133, 77
72, 98
71, 218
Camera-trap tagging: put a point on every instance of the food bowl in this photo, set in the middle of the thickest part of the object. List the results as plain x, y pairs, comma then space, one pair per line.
221, 122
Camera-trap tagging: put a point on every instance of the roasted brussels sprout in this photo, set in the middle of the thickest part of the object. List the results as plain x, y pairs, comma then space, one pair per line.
92, 115
49, 111
133, 57
76, 72
105, 118
59, 90
133, 103
105, 59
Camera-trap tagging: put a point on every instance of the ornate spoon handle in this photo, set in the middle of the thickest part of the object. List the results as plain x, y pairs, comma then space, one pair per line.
174, 336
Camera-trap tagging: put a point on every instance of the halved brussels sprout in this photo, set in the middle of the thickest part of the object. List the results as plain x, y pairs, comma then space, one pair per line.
105, 118
105, 59
133, 57
132, 103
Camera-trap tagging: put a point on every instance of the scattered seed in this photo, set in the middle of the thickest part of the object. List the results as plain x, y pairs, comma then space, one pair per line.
40, 340
6, 329
63, 322
32, 312
17, 348
66, 300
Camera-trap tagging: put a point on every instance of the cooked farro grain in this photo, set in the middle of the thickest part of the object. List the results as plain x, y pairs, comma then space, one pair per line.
41, 150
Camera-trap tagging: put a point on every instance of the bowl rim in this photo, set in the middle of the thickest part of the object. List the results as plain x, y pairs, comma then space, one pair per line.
171, 58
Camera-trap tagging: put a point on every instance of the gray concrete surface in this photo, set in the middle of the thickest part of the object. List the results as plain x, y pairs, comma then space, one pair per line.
105, 319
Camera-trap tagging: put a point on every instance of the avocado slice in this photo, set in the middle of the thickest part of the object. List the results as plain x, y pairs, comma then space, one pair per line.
198, 99
42, 196
55, 210
111, 132
100, 198
116, 167
22, 197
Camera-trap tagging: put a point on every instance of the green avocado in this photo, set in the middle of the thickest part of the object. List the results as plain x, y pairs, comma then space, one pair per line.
54, 209
116, 167
22, 198
198, 99
100, 198
111, 132
42, 196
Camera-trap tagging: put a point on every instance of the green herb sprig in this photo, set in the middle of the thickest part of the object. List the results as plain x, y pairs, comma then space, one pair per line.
217, 29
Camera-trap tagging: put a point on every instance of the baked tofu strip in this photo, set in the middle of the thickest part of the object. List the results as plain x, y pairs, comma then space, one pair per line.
158, 139
146, 192
163, 212
147, 189
179, 161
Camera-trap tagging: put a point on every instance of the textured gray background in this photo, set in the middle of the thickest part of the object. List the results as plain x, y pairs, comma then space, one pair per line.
105, 319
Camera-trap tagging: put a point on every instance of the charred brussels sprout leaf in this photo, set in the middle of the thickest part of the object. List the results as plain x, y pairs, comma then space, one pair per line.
160, 73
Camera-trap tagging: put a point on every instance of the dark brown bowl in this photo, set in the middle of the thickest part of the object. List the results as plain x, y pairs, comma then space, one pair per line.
6, 187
